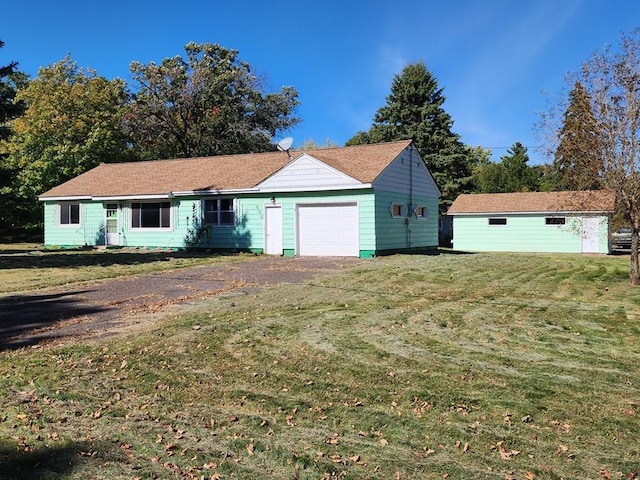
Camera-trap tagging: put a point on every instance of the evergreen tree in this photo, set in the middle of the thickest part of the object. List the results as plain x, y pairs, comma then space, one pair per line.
10, 81
519, 175
577, 162
414, 110
512, 174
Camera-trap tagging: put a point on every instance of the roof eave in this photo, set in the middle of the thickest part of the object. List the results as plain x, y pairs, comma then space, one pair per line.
541, 212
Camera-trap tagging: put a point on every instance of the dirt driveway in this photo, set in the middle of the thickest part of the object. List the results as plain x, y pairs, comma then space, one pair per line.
107, 307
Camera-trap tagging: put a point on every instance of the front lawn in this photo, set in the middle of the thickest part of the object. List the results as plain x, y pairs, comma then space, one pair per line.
485, 366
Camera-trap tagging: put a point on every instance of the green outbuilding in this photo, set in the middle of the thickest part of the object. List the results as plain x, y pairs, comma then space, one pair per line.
562, 222
350, 201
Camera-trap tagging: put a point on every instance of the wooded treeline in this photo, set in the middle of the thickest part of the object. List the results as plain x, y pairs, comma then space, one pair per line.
69, 119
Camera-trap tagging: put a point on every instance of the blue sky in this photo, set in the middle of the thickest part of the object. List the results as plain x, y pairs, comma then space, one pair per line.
500, 62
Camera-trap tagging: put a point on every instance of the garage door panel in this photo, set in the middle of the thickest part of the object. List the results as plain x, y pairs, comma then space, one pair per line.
328, 230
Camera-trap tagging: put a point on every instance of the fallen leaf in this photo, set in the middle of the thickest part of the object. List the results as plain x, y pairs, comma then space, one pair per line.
333, 440
251, 448
504, 453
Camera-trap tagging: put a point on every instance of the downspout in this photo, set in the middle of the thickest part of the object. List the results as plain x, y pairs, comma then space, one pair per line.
411, 207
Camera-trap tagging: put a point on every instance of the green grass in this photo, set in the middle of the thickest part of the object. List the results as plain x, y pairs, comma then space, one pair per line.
450, 366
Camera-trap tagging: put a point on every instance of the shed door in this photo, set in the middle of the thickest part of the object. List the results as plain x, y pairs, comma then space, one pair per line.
328, 229
590, 234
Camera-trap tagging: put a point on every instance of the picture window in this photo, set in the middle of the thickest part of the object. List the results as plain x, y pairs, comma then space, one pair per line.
151, 215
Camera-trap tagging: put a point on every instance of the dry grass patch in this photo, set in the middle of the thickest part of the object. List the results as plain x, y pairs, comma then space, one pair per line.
23, 268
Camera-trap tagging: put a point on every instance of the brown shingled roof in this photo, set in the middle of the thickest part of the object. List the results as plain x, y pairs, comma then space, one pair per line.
224, 172
529, 202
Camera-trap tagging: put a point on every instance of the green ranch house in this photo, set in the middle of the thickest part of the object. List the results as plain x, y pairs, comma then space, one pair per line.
350, 201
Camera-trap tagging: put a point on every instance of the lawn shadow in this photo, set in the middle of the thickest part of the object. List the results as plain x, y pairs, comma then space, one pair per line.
25, 462
36, 315
426, 251
90, 258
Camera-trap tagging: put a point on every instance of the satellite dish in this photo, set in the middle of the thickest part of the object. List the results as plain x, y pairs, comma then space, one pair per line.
285, 144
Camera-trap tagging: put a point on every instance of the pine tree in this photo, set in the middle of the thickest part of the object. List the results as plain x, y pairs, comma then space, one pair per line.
414, 110
11, 80
577, 162
512, 174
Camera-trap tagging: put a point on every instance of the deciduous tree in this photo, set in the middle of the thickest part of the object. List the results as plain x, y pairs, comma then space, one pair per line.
414, 110
207, 104
72, 124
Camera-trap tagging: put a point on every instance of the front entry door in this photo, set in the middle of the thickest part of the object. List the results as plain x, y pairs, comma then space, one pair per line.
273, 229
111, 224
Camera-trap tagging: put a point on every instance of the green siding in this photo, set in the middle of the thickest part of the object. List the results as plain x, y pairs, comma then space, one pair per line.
88, 232
253, 213
523, 233
378, 230
409, 232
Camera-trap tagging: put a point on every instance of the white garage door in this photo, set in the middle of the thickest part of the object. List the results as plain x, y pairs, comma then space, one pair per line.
328, 229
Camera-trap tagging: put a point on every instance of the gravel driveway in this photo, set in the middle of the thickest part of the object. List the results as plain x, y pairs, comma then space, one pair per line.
105, 308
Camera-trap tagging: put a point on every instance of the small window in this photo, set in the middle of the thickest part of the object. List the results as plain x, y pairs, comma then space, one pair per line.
554, 221
151, 215
398, 210
219, 211
422, 211
70, 214
497, 221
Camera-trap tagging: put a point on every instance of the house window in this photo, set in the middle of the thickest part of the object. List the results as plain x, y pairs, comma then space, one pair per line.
70, 214
495, 221
398, 210
151, 215
421, 211
554, 221
219, 211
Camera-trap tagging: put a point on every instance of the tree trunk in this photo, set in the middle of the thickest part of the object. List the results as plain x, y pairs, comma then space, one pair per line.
633, 273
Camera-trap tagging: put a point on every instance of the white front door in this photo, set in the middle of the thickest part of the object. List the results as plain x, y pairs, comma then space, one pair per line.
590, 234
273, 229
111, 224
